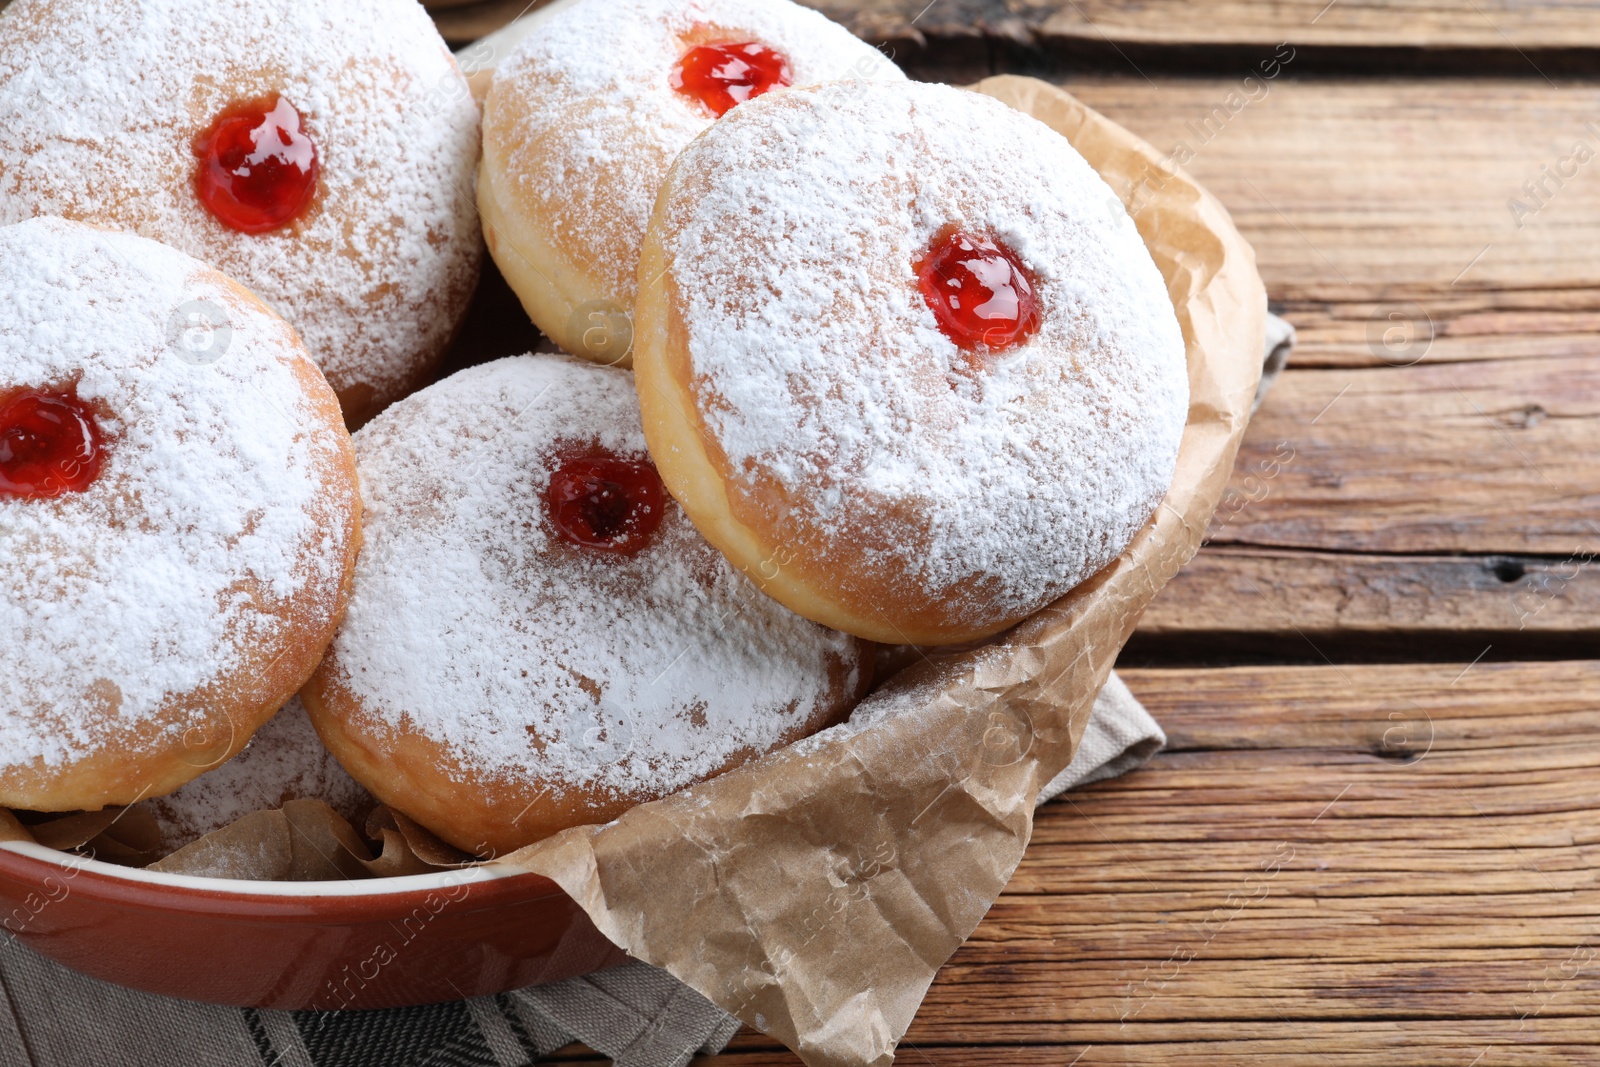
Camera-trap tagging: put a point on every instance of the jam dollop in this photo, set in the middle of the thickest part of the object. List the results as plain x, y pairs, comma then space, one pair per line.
606, 503
50, 444
721, 76
258, 168
979, 291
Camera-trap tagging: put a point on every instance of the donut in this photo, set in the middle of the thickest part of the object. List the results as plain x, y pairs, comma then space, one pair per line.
903, 357
539, 638
179, 511
357, 220
584, 118
284, 761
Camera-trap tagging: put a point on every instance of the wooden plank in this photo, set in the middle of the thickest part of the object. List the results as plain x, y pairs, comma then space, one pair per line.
1419, 1043
1392, 325
1383, 210
1500, 24
1234, 597
1459, 457
1250, 590
1284, 709
1306, 877
1361, 231
1321, 845
1398, 220
1433, 24
1341, 466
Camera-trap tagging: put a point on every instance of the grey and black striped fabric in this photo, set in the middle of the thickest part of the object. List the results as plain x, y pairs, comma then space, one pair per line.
634, 1014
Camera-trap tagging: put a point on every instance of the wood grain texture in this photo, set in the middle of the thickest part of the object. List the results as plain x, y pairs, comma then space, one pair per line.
1246, 591
1487, 24
1442, 395
1377, 1044
1452, 23
1356, 865
1382, 211
1461, 457
1354, 487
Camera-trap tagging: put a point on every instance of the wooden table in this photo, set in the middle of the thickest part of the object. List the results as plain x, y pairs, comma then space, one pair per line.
1373, 838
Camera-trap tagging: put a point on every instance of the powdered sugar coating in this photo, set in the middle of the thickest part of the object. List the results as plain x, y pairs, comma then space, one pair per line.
100, 103
528, 658
847, 419
213, 510
284, 761
585, 122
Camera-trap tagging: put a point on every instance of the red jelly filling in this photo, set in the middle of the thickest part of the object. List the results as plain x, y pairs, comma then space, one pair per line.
50, 444
258, 168
979, 291
721, 76
607, 504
